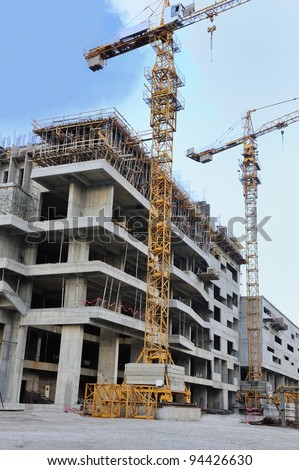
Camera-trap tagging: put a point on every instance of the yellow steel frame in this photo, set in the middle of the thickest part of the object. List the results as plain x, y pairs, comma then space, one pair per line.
108, 401
164, 84
290, 394
252, 398
120, 401
88, 399
141, 401
250, 188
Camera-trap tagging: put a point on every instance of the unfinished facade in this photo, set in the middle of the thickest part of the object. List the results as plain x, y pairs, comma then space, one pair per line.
73, 253
279, 345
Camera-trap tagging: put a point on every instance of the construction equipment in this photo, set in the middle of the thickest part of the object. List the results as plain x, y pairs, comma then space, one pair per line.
286, 400
164, 100
250, 180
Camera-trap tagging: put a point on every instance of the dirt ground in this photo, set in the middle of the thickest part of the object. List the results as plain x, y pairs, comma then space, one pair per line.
58, 430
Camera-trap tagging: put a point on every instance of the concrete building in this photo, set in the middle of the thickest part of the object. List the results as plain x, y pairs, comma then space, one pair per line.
73, 253
279, 345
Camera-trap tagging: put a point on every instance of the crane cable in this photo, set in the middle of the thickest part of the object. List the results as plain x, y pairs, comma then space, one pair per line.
227, 132
144, 9
270, 106
274, 104
133, 19
230, 129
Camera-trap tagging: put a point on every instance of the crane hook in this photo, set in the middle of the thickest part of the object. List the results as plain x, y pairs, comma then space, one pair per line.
211, 30
282, 137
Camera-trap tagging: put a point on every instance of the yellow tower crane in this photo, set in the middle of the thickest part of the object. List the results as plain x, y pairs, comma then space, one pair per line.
250, 181
164, 101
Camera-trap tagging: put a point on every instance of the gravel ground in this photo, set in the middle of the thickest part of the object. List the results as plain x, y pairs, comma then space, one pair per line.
56, 430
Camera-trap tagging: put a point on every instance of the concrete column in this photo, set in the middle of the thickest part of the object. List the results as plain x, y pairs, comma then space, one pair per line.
188, 366
75, 201
25, 291
108, 357
18, 335
188, 331
5, 335
76, 287
78, 250
12, 166
27, 169
224, 372
225, 399
199, 396
30, 253
38, 347
69, 367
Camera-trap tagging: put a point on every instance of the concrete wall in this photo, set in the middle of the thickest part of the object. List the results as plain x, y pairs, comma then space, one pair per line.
280, 355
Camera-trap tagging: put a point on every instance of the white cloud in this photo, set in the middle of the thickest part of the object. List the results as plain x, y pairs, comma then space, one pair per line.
134, 10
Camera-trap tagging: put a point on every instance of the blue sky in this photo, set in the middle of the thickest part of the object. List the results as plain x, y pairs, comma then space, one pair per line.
255, 63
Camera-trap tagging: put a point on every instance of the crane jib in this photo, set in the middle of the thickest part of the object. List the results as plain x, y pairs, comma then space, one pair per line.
276, 124
175, 17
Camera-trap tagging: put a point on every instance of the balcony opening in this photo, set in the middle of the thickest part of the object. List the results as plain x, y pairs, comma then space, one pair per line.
217, 342
235, 300
230, 347
54, 206
21, 177
48, 294
52, 252
5, 176
217, 294
124, 356
42, 346
233, 271
90, 354
217, 314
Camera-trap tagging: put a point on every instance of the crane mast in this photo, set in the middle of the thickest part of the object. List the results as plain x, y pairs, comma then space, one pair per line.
164, 103
250, 181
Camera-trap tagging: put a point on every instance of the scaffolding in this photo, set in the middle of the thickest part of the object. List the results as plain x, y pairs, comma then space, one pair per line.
15, 201
107, 135
277, 323
230, 245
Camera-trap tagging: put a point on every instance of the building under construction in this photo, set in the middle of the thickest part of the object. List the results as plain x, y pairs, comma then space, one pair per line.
278, 343
74, 233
